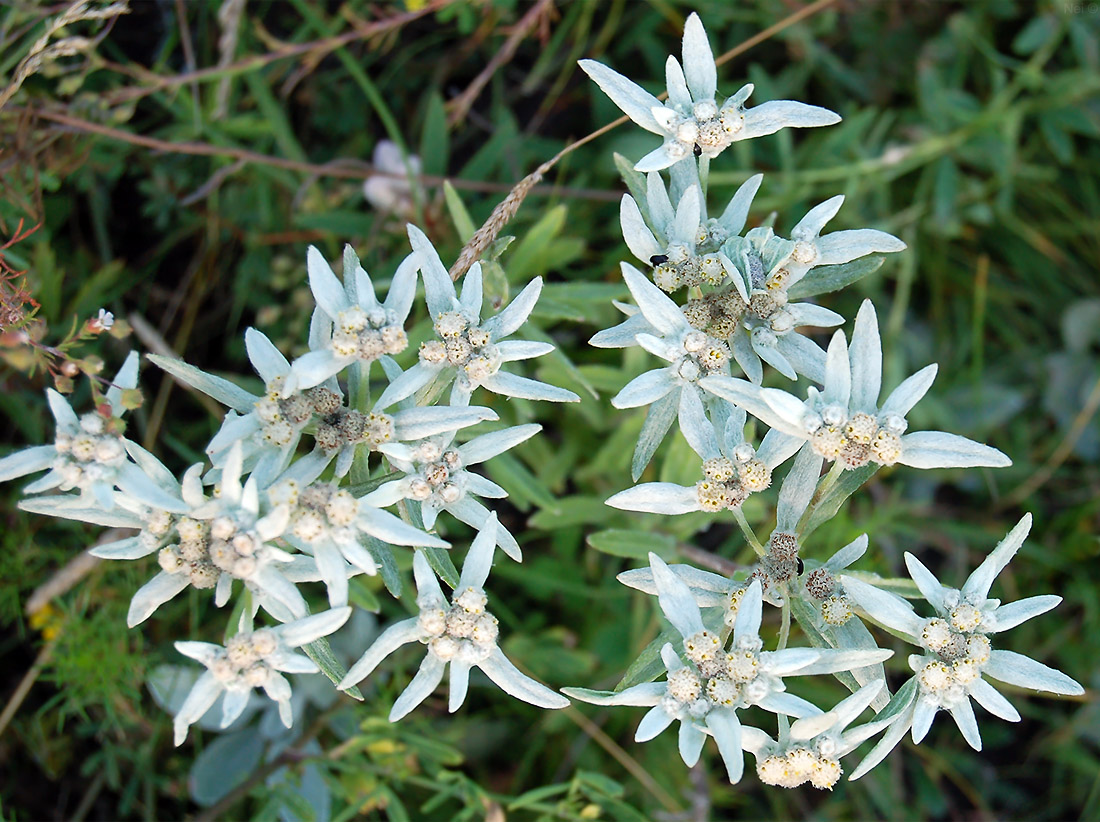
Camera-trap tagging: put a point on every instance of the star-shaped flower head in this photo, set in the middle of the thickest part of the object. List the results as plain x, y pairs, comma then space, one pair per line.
957, 649
692, 120
460, 632
844, 420
269, 427
810, 750
219, 540
436, 477
469, 351
732, 468
690, 354
353, 326
705, 689
252, 659
90, 454
327, 522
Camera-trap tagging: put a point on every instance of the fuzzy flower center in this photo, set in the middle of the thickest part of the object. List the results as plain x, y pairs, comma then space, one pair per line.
462, 346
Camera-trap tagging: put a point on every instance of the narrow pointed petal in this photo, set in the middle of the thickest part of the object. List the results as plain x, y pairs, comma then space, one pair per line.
646, 694
769, 117
686, 225
439, 290
690, 743
487, 446
699, 68
512, 318
657, 498
392, 529
963, 714
726, 730
661, 312
735, 216
268, 360
460, 683
981, 580
388, 641
406, 385
28, 461
233, 706
675, 599
1014, 613
657, 422
889, 741
645, 389
938, 449
472, 297
314, 367
204, 693
993, 701
513, 350
810, 226
656, 719
909, 393
657, 160
845, 246
312, 628
923, 714
63, 413
848, 554
512, 385
327, 290
639, 239
515, 683
781, 702
884, 607
635, 101
865, 354
749, 613
130, 548
771, 355
475, 570
926, 581
427, 679
153, 594
838, 372
1017, 669
661, 211
427, 584
133, 482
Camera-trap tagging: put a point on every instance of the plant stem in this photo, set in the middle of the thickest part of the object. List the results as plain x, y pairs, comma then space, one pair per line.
785, 626
746, 529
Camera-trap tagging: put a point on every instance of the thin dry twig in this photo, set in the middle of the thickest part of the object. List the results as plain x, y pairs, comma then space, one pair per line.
536, 15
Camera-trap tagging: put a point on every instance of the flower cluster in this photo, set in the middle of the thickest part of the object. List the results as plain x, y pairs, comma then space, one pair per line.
267, 516
743, 310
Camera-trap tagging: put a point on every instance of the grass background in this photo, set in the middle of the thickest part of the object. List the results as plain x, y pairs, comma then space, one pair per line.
969, 131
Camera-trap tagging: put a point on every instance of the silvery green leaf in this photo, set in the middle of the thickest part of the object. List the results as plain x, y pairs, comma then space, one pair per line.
645, 389
223, 765
426, 680
645, 694
674, 596
699, 68
810, 226
514, 682
656, 498
649, 664
27, 461
635, 181
636, 102
804, 355
981, 580
838, 372
639, 239
937, 449
798, 489
220, 389
885, 608
516, 313
865, 354
735, 216
826, 507
770, 117
930, 587
268, 360
661, 312
909, 393
901, 708
1017, 669
993, 701
439, 290
661, 212
1014, 613
845, 246
327, 290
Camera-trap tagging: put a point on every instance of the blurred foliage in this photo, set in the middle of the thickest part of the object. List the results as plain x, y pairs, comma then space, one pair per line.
179, 165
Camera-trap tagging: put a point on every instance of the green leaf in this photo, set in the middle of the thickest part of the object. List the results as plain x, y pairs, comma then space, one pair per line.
441, 563
464, 225
387, 566
648, 666
223, 765
633, 544
827, 278
531, 255
825, 508
635, 180
321, 653
435, 142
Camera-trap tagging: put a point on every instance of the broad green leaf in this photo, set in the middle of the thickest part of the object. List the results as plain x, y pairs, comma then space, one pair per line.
648, 666
633, 544
827, 278
321, 653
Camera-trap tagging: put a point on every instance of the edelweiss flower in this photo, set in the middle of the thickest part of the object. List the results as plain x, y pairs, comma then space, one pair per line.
326, 521
268, 427
436, 477
468, 350
353, 326
732, 468
706, 693
692, 121
844, 421
691, 355
90, 454
811, 749
252, 659
219, 540
461, 633
957, 651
